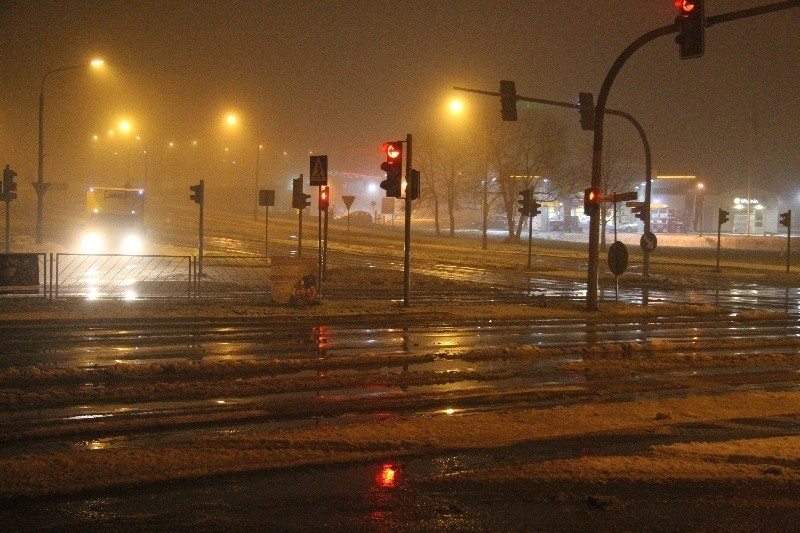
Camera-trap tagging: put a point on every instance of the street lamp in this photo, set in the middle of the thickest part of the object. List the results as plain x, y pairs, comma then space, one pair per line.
232, 120
40, 186
698, 190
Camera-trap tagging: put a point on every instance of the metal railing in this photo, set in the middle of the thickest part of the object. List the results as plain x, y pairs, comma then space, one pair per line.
122, 276
226, 276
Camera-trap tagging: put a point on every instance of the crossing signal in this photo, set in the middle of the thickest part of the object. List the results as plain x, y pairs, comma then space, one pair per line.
723, 216
198, 191
393, 166
785, 219
586, 103
300, 200
9, 185
524, 203
591, 201
691, 28
508, 100
324, 198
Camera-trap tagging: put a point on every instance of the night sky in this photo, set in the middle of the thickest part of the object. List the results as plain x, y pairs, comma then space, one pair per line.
341, 77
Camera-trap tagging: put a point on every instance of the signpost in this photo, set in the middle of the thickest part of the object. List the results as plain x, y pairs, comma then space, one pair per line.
348, 202
648, 242
617, 263
266, 199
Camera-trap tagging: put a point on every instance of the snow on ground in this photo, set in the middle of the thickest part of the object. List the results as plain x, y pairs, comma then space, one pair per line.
398, 438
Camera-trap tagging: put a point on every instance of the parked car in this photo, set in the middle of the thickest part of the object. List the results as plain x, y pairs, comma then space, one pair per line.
356, 218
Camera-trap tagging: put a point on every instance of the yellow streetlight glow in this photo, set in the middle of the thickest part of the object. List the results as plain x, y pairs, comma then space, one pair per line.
456, 106
231, 119
97, 63
124, 126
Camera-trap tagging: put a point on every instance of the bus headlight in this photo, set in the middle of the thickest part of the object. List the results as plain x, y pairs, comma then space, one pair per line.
92, 243
131, 245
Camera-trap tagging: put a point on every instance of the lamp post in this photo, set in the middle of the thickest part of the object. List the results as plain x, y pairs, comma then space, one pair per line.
40, 186
695, 216
232, 120
259, 146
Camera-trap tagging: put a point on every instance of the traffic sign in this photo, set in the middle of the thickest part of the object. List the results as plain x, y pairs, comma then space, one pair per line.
348, 201
648, 241
266, 198
319, 170
624, 196
617, 258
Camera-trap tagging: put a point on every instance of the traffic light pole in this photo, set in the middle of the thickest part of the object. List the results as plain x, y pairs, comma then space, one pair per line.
600, 110
300, 228
8, 225
200, 243
788, 239
407, 245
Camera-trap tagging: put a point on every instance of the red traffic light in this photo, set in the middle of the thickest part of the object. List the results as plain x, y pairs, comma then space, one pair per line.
393, 151
591, 201
323, 198
684, 7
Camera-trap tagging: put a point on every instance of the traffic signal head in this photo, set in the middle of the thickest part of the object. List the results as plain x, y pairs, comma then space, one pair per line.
524, 203
300, 200
324, 198
586, 103
393, 166
198, 191
535, 208
413, 186
508, 100
723, 216
785, 219
9, 185
639, 210
591, 201
691, 28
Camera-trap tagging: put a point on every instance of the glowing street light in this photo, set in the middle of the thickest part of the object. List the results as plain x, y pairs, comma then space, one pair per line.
40, 185
456, 106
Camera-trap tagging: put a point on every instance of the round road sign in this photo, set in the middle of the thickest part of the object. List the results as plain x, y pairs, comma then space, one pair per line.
617, 258
648, 241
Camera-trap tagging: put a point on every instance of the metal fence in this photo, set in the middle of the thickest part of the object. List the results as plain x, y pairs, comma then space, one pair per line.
122, 276
225, 276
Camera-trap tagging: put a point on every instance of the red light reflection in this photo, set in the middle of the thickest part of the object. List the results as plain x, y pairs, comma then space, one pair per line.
387, 477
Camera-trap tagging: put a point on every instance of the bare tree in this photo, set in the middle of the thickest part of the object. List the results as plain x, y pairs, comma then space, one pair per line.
522, 154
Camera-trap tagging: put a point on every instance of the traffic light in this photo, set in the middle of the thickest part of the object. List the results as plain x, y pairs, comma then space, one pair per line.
591, 201
535, 208
300, 200
9, 185
639, 210
524, 203
324, 198
393, 166
785, 219
586, 103
508, 100
723, 216
691, 28
412, 189
198, 191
